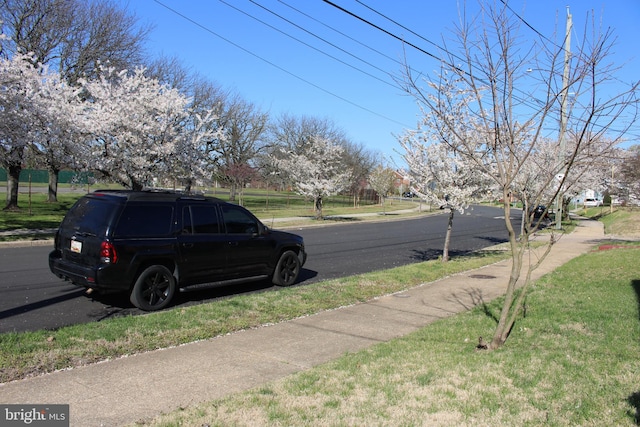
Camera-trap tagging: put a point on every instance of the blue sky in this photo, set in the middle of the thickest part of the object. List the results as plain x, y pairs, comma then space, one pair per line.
350, 80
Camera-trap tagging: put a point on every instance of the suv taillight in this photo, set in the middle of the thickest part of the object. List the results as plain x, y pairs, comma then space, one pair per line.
108, 253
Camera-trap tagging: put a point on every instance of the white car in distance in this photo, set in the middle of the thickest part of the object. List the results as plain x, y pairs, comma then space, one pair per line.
592, 203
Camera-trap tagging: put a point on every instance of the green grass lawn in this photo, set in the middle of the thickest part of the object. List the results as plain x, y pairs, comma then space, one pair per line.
35, 213
573, 360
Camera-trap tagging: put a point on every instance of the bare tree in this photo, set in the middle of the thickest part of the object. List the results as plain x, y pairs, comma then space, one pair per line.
171, 72
103, 34
507, 90
37, 27
291, 133
76, 38
243, 125
360, 162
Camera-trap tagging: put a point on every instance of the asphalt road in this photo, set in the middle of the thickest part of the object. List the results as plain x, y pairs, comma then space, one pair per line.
33, 298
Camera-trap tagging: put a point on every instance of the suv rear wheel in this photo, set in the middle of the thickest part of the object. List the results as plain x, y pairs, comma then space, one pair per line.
287, 269
154, 288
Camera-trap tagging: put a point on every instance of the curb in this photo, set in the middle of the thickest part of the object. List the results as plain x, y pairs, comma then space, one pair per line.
26, 243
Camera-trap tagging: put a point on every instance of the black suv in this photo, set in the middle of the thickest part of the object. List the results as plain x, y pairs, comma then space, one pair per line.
152, 243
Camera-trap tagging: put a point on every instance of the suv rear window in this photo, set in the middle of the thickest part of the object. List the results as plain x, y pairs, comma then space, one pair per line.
145, 221
90, 216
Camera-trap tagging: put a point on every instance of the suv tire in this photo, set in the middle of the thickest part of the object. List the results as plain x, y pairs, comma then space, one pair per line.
154, 288
287, 270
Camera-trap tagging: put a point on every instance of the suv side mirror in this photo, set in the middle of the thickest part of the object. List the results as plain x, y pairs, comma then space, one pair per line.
263, 230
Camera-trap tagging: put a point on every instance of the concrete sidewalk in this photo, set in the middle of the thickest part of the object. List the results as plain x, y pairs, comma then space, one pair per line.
128, 389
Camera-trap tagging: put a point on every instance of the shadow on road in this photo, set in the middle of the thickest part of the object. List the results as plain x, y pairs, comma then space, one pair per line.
41, 304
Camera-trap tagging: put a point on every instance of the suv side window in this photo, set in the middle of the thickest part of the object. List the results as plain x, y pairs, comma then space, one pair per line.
145, 221
238, 221
200, 220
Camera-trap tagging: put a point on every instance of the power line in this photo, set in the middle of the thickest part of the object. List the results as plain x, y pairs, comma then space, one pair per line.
210, 31
342, 33
408, 29
524, 21
524, 101
419, 49
310, 46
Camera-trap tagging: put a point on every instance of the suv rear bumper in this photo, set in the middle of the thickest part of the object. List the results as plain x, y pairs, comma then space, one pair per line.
88, 277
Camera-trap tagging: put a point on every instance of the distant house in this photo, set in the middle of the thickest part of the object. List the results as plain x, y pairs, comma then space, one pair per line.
588, 194
402, 182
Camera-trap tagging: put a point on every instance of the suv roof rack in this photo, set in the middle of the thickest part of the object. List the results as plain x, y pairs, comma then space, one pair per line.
150, 192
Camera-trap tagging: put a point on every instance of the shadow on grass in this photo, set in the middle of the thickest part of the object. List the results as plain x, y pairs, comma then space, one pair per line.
332, 218
436, 253
634, 398
635, 284
117, 304
634, 401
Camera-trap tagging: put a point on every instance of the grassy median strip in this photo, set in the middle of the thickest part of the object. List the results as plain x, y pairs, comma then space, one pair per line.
573, 360
29, 353
37, 219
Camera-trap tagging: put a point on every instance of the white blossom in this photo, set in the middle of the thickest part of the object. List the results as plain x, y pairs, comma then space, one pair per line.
137, 126
316, 172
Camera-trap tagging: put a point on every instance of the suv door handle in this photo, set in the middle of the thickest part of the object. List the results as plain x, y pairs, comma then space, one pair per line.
187, 245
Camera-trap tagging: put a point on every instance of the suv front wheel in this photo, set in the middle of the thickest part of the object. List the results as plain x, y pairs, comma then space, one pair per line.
154, 288
287, 269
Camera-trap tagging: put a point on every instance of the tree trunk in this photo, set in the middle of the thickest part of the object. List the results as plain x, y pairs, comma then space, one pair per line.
13, 182
187, 185
514, 306
566, 201
318, 207
53, 185
447, 238
233, 189
506, 315
136, 186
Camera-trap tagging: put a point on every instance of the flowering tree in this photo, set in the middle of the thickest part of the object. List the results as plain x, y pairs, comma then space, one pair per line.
317, 171
381, 180
486, 89
190, 160
19, 87
630, 173
440, 175
58, 127
137, 127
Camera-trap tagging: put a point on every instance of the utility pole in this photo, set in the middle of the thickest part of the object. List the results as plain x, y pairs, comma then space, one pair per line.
563, 118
